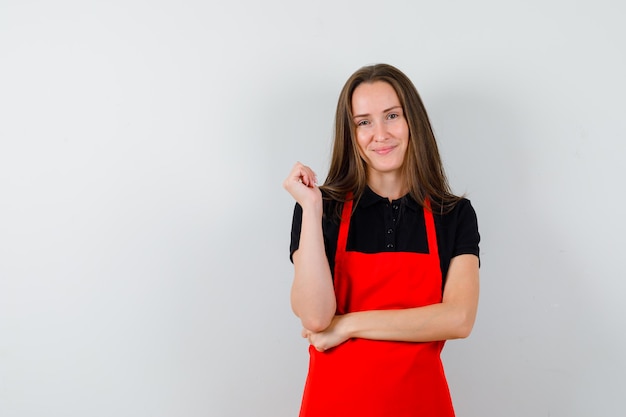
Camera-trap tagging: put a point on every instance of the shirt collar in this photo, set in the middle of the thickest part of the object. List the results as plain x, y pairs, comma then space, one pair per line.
370, 198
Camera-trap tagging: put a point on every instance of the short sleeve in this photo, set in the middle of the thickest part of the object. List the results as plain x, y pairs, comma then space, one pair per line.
296, 227
467, 238
330, 230
457, 234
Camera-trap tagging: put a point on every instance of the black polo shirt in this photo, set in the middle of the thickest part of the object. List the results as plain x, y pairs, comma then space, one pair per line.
378, 225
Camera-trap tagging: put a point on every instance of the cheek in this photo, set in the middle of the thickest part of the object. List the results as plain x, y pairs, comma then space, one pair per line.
403, 130
361, 143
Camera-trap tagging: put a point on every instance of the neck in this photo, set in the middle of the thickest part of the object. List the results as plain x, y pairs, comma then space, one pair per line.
390, 186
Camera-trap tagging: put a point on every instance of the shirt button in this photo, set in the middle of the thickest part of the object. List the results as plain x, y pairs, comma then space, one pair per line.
395, 207
389, 245
389, 231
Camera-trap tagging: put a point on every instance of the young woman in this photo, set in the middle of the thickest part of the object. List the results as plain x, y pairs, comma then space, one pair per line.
386, 258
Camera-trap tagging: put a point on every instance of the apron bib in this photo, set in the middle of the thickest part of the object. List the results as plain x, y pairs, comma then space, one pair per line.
371, 378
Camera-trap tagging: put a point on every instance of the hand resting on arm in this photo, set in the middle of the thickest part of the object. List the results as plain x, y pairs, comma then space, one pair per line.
453, 318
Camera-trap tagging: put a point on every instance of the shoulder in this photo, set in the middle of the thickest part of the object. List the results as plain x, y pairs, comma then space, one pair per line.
459, 228
462, 212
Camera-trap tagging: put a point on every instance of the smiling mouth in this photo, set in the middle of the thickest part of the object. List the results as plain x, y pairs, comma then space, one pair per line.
385, 150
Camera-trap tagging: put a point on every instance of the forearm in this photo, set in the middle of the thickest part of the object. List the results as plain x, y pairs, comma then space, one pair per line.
453, 318
421, 324
312, 292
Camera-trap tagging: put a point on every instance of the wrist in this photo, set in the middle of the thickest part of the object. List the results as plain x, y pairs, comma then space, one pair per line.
348, 325
314, 211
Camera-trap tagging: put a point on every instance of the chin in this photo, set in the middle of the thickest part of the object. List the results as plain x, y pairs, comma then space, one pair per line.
386, 169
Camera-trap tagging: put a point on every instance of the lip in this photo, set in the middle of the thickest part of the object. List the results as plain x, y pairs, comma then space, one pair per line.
384, 150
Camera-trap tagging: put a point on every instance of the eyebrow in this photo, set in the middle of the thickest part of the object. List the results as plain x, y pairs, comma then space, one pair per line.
384, 111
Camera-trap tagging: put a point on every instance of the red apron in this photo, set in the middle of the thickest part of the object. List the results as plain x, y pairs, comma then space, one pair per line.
371, 378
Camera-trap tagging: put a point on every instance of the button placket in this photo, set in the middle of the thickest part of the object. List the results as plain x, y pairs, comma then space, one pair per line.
390, 237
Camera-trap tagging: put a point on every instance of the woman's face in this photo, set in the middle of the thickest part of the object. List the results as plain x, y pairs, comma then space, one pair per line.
382, 132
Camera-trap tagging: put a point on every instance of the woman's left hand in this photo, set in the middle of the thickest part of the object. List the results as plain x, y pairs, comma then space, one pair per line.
332, 336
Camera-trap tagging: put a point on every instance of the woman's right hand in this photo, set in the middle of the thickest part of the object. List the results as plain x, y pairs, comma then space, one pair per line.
302, 185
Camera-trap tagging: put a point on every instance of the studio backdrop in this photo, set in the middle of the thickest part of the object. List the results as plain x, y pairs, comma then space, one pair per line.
144, 233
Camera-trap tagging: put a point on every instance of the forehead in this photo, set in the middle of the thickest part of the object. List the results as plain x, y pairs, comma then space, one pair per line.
373, 97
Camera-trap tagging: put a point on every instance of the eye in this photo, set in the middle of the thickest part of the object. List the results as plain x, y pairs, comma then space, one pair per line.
362, 123
393, 116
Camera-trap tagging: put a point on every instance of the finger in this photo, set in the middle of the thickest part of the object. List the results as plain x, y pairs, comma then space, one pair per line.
306, 175
300, 173
294, 177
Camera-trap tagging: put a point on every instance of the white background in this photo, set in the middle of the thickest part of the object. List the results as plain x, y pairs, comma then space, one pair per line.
144, 232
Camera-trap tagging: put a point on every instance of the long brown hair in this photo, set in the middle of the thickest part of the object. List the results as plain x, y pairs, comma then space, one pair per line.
422, 169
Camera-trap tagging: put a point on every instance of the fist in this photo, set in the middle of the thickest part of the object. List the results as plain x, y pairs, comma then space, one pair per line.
302, 185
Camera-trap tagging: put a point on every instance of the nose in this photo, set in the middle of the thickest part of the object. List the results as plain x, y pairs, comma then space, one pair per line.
380, 132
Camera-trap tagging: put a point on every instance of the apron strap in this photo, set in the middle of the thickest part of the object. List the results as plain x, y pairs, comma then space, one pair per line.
431, 232
429, 219
342, 240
